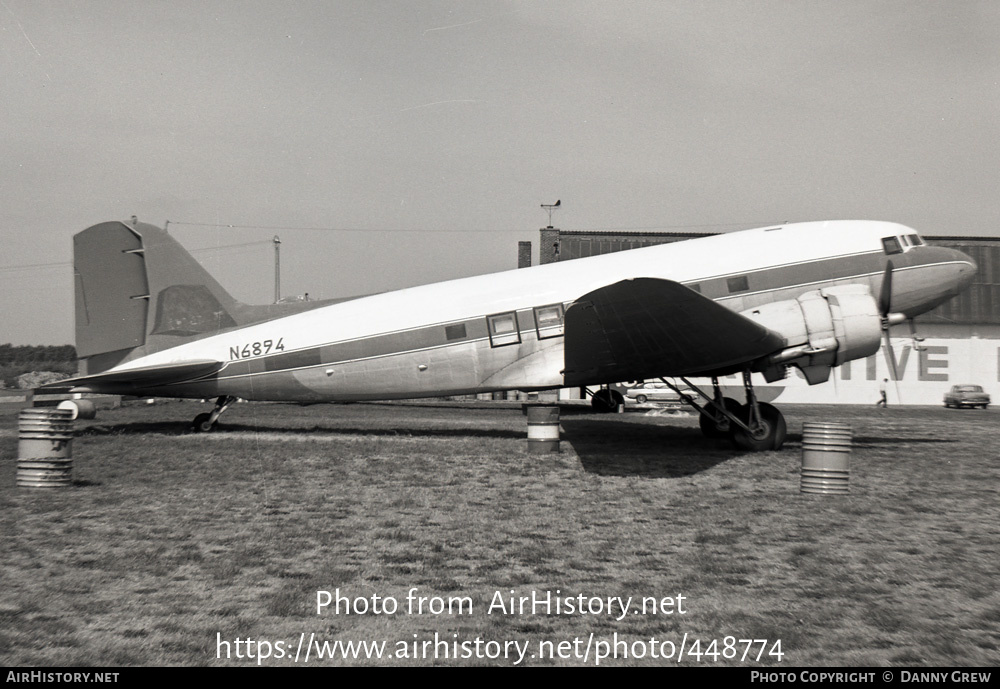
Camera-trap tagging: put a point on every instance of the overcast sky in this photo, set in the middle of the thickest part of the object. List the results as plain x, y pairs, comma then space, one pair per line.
439, 127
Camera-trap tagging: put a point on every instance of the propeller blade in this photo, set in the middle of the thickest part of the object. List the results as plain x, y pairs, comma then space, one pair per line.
890, 359
917, 340
890, 356
885, 293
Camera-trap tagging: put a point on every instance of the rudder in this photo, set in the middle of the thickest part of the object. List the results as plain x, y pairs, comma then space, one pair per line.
137, 287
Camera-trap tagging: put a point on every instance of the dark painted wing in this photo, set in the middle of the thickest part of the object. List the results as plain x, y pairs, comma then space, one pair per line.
647, 328
125, 382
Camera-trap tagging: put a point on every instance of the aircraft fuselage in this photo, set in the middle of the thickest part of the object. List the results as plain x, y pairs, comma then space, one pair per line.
505, 330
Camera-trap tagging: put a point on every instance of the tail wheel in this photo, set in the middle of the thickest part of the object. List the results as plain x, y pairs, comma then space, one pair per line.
769, 434
718, 427
202, 423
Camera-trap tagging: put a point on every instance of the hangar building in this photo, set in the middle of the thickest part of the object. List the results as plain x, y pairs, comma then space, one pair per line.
962, 336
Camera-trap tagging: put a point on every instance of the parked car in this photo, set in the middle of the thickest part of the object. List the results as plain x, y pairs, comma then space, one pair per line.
966, 396
655, 392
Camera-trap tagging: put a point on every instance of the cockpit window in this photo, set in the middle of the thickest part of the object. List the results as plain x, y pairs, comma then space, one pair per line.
915, 239
891, 245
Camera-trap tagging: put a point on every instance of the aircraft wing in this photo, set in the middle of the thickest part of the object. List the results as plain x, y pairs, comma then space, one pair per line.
647, 327
127, 381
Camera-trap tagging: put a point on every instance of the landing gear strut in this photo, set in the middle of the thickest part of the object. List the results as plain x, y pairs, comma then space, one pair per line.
755, 426
713, 421
763, 425
204, 423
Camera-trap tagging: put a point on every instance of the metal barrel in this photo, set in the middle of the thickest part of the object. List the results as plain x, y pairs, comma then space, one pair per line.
826, 458
45, 448
80, 409
543, 429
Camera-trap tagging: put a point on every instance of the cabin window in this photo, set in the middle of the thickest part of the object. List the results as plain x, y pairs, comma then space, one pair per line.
891, 245
454, 332
503, 329
695, 287
549, 321
738, 284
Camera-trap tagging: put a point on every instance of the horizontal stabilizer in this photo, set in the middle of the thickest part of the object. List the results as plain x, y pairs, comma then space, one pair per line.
124, 382
647, 328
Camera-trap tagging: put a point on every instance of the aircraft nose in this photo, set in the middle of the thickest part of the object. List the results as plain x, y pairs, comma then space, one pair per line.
966, 269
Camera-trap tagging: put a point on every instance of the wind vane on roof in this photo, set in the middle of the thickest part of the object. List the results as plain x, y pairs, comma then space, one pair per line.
549, 207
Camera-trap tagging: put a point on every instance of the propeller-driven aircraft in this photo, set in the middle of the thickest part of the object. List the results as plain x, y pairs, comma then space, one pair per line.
150, 321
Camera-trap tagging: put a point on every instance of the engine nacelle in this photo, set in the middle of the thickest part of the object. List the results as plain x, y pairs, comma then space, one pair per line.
822, 329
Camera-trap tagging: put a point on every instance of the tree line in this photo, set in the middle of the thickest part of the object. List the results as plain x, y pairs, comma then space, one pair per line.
25, 354
16, 360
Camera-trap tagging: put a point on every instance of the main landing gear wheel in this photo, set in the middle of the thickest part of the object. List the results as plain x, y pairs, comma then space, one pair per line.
769, 433
606, 401
719, 427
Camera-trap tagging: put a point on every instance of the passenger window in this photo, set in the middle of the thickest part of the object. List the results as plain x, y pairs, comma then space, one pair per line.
738, 284
891, 245
503, 329
455, 332
549, 321
695, 287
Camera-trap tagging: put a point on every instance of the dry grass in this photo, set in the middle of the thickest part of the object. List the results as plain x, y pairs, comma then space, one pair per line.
167, 538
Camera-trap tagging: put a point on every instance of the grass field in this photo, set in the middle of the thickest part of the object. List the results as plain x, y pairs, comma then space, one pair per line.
168, 539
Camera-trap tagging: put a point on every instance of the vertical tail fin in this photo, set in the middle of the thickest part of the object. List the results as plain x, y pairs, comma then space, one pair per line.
138, 289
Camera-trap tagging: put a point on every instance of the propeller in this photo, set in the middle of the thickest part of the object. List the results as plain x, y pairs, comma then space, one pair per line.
885, 308
885, 293
917, 340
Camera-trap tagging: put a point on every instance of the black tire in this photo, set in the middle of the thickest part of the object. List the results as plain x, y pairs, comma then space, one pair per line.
202, 423
603, 401
641, 399
770, 437
719, 429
